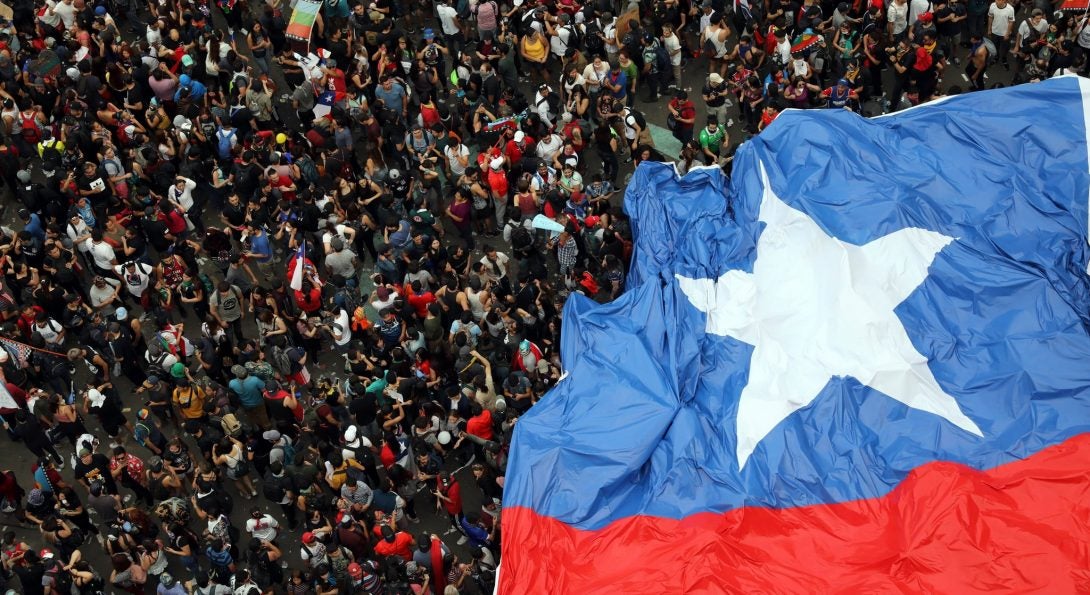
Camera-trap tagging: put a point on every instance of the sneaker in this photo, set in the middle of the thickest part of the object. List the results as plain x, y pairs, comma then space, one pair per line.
449, 531
462, 540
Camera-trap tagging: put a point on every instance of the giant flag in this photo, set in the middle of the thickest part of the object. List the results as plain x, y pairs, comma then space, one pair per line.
861, 365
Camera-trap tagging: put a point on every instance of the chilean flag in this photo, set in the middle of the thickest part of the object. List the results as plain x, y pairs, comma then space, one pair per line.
861, 364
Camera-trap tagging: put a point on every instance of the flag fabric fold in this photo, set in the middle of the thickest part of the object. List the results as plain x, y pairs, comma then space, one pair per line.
892, 313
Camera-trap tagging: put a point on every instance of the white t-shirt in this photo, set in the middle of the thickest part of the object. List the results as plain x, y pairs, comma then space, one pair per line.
184, 196
897, 15
103, 254
673, 44
345, 329
595, 76
452, 152
98, 296
264, 528
135, 280
67, 12
446, 15
1001, 18
916, 8
549, 146
51, 17
1027, 25
559, 42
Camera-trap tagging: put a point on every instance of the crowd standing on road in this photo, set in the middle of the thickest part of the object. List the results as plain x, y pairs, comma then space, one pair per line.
264, 295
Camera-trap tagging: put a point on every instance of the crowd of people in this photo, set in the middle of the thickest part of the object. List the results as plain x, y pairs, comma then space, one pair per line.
325, 276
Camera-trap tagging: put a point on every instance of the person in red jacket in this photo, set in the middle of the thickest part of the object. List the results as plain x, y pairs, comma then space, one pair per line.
309, 298
395, 543
449, 497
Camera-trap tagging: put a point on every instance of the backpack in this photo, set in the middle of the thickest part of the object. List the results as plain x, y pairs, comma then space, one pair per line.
553, 101
662, 58
637, 117
32, 132
223, 143
231, 425
279, 359
575, 40
272, 490
289, 451
993, 53
521, 239
307, 170
591, 40
62, 581
346, 299
209, 288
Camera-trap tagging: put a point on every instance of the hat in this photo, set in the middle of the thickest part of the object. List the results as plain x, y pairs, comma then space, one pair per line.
519, 136
130, 130
100, 10
178, 370
429, 34
83, 452
350, 434
153, 379
143, 414
239, 371
46, 554
121, 313
271, 435
496, 163
382, 293
923, 59
23, 176
388, 534
926, 17
592, 220
355, 570
524, 347
166, 580
281, 138
72, 73
845, 83
309, 537
715, 79
187, 60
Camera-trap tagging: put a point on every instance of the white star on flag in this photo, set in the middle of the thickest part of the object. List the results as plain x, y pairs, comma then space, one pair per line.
815, 308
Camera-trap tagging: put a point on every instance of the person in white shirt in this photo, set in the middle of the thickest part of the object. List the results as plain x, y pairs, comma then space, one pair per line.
261, 526
560, 36
1030, 30
104, 294
448, 21
1000, 28
593, 75
541, 104
50, 19
66, 11
897, 19
102, 254
457, 156
136, 277
672, 43
341, 330
181, 193
549, 147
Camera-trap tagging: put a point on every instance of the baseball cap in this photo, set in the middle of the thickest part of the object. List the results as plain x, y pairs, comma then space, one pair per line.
309, 537
429, 34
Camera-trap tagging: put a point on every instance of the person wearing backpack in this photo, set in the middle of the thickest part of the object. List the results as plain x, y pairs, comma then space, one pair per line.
656, 66
979, 58
226, 141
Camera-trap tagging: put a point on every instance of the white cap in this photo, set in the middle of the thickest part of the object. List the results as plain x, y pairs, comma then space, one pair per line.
519, 135
496, 163
130, 130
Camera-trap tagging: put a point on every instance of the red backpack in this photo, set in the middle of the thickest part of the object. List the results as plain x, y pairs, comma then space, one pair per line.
32, 132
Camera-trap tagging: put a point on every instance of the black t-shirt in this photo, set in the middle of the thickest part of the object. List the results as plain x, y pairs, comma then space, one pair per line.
364, 408
97, 470
156, 231
97, 184
30, 579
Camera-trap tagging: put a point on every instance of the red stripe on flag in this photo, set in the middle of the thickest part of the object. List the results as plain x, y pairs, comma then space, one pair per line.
1023, 527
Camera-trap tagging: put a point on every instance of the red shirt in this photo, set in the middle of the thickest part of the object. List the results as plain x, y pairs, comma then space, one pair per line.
309, 302
401, 546
481, 426
454, 492
497, 181
513, 151
420, 302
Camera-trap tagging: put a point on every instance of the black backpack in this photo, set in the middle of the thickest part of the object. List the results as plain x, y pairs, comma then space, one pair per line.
591, 40
575, 40
272, 489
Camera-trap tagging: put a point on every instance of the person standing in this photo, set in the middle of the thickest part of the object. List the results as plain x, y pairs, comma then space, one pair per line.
683, 115
1000, 29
